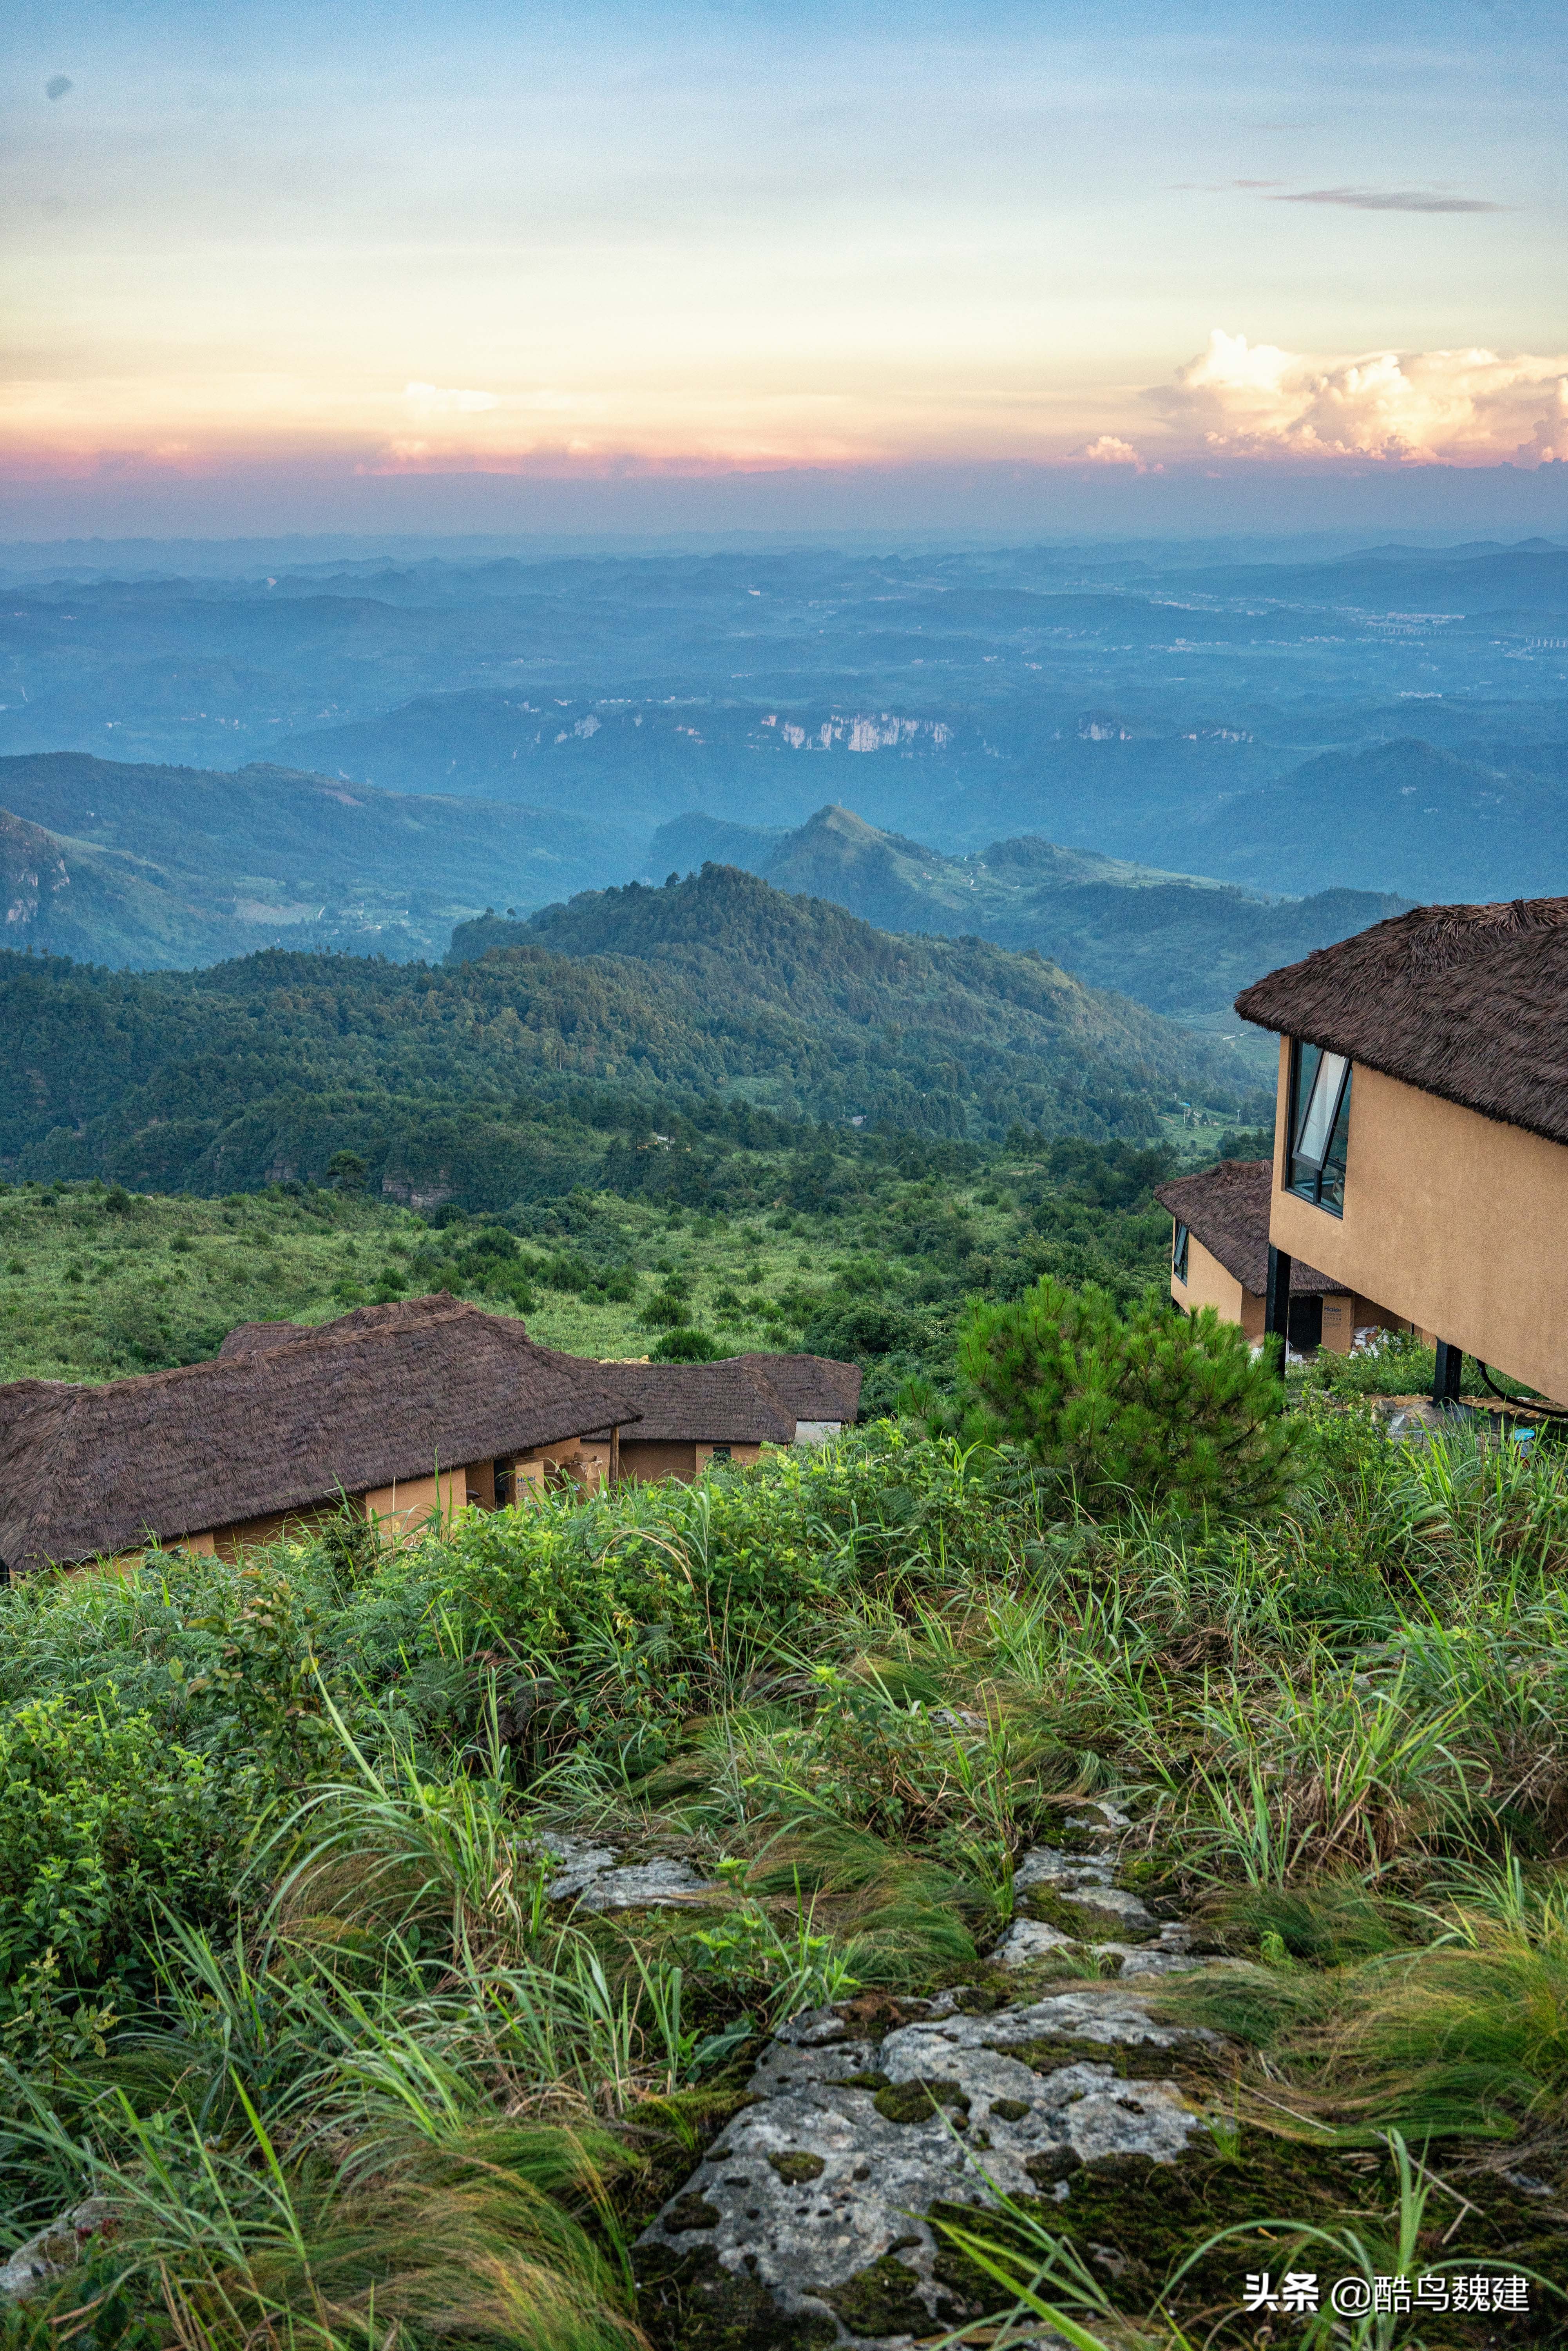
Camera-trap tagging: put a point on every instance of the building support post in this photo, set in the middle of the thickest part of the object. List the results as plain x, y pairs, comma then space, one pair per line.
1445, 1378
1277, 1299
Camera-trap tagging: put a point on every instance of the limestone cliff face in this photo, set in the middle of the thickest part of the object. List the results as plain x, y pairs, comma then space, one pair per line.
32, 874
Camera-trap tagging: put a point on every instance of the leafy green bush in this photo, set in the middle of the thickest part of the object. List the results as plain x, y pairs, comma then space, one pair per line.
850, 1328
102, 1821
665, 1312
1161, 1409
686, 1346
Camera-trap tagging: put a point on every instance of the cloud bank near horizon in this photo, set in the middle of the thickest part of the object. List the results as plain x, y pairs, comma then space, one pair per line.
1252, 403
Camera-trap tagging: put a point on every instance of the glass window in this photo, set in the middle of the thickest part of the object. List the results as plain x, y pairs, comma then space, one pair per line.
1319, 1126
1178, 1254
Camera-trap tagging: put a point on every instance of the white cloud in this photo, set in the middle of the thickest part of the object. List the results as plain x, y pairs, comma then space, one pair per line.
1109, 451
1464, 407
432, 399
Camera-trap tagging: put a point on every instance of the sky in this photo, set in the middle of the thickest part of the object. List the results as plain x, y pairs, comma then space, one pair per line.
277, 262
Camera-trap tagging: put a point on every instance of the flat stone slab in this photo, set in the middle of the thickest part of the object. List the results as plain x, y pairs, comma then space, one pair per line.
1029, 1939
1086, 1881
1063, 1872
600, 1879
1113, 1902
851, 2142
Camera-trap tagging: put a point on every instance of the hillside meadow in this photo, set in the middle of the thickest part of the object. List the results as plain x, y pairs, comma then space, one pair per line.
318, 1979
855, 1249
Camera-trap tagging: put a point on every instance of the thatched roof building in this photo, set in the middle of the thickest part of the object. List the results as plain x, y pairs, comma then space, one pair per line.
1227, 1210
725, 1403
283, 1418
817, 1389
1463, 1002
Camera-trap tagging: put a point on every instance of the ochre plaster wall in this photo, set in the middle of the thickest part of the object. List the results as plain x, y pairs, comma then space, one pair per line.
248, 1535
412, 1501
1455, 1222
1209, 1284
643, 1459
744, 1457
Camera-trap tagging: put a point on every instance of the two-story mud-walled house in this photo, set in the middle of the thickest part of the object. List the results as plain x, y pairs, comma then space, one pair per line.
1421, 1133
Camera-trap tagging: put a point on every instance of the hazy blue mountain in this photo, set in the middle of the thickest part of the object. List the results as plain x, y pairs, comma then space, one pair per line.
1182, 945
1118, 701
64, 897
182, 865
1402, 816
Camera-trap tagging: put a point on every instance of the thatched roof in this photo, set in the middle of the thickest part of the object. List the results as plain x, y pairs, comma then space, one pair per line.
815, 1388
246, 1338
726, 1402
386, 1392
1462, 1001
1227, 1209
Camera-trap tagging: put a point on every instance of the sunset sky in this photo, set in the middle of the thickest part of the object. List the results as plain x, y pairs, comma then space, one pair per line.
298, 247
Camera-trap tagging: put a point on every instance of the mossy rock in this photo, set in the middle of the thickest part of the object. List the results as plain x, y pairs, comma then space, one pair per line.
1079, 1843
972, 2288
978, 1989
690, 2302
860, 2082
917, 2102
1130, 2060
1010, 2110
1153, 2216
696, 2117
795, 2167
1081, 1919
882, 2299
691, 2211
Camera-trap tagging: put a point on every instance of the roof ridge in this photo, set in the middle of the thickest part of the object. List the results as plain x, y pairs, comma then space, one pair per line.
1458, 1002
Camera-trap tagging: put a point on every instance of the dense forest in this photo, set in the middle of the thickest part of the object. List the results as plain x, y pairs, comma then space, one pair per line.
480, 1081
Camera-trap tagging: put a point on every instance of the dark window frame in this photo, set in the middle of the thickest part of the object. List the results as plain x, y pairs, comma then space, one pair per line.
1179, 1241
1321, 1180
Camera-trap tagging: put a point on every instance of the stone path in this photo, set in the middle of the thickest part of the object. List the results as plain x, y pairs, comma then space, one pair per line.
808, 2221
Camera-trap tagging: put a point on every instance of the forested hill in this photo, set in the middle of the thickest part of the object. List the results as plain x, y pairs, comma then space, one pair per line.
907, 1020
225, 1078
159, 866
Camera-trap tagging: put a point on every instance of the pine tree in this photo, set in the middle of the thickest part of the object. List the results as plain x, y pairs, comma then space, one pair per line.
1169, 1410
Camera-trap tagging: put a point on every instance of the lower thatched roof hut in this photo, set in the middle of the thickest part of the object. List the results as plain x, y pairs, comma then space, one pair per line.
285, 1417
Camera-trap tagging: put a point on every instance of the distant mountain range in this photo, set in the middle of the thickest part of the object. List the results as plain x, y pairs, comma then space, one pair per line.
1166, 707
1446, 828
1179, 943
159, 866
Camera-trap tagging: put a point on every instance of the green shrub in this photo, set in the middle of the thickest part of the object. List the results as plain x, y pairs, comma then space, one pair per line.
103, 1822
687, 1346
665, 1312
1158, 1408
